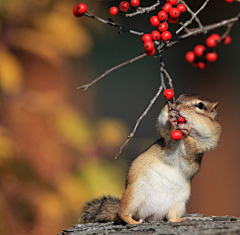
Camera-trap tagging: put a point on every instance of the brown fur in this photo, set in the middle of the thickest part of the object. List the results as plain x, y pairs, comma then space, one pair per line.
201, 133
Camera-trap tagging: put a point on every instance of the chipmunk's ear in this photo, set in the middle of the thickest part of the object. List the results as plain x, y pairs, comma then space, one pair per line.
214, 109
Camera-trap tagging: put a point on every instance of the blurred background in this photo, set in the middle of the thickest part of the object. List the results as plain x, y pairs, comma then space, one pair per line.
57, 143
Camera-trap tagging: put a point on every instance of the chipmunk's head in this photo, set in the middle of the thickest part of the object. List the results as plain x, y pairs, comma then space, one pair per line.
200, 119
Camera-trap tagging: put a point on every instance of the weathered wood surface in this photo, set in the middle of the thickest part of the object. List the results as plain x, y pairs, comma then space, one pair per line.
194, 224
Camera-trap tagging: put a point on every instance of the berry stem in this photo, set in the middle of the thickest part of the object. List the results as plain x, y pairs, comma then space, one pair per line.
113, 24
142, 10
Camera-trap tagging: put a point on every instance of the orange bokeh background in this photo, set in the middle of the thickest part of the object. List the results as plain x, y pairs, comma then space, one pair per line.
57, 143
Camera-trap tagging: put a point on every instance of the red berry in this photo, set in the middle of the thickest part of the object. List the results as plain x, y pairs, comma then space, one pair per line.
210, 42
113, 11
227, 40
199, 49
172, 2
123, 6
154, 21
202, 65
172, 20
181, 120
75, 11
211, 56
156, 36
181, 8
229, 1
150, 53
166, 36
163, 27
134, 3
167, 7
174, 13
168, 94
190, 56
162, 15
176, 135
82, 8
149, 46
146, 38
216, 37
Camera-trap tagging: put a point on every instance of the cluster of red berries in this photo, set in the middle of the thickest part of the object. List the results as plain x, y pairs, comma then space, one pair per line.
80, 9
168, 13
168, 94
124, 6
201, 55
229, 1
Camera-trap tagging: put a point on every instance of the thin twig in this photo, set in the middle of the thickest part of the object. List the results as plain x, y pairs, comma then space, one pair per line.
226, 33
141, 10
85, 87
112, 23
168, 77
139, 120
192, 13
194, 16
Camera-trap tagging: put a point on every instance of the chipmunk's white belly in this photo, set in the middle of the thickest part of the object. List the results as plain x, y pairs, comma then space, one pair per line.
162, 189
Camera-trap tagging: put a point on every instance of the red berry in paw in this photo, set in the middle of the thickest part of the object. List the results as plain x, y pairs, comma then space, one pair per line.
172, 2
134, 3
168, 94
167, 7
172, 20
176, 135
123, 6
181, 8
149, 46
146, 38
150, 53
227, 40
156, 36
154, 21
229, 1
210, 42
181, 120
166, 36
162, 15
75, 11
190, 56
82, 8
202, 65
174, 12
216, 37
199, 50
113, 11
163, 27
211, 56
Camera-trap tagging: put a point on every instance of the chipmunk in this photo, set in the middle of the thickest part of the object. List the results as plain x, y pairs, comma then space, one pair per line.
158, 181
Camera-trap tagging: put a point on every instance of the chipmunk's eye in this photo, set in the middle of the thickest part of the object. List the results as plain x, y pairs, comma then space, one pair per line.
200, 105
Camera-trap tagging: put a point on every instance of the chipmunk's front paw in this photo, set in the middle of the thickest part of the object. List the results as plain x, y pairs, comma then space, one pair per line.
172, 117
185, 129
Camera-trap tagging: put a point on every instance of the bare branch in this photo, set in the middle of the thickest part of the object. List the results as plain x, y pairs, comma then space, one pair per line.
85, 87
210, 27
142, 10
139, 120
194, 16
112, 23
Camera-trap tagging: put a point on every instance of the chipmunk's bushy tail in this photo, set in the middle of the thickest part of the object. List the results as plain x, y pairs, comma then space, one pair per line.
102, 210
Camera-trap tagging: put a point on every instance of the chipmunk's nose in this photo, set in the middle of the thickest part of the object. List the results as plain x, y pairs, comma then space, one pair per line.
177, 108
